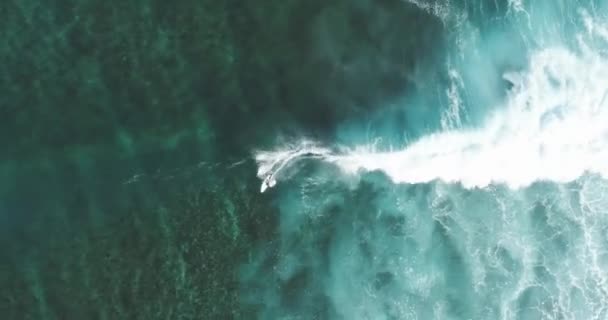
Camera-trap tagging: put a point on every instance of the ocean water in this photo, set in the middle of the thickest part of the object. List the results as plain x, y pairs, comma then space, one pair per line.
493, 205
304, 159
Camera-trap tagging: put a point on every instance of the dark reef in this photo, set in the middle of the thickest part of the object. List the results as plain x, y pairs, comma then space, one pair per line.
125, 189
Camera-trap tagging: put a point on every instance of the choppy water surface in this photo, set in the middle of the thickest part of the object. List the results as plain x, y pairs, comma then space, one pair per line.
498, 210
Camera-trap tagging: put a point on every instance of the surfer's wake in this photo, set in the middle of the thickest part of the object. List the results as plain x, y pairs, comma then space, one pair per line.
553, 126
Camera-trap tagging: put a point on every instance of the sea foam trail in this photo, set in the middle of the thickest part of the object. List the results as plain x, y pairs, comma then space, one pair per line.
271, 163
553, 126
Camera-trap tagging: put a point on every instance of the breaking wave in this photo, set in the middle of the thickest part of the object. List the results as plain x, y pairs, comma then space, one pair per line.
500, 213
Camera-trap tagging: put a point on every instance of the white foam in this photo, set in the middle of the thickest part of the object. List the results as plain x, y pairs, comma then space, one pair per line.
554, 127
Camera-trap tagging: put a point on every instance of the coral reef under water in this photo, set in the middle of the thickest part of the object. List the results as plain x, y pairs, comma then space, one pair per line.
126, 191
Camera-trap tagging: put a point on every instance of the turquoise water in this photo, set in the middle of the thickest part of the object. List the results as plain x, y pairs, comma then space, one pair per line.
490, 204
353, 159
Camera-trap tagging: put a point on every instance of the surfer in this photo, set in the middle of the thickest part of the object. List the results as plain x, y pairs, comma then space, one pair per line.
268, 182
